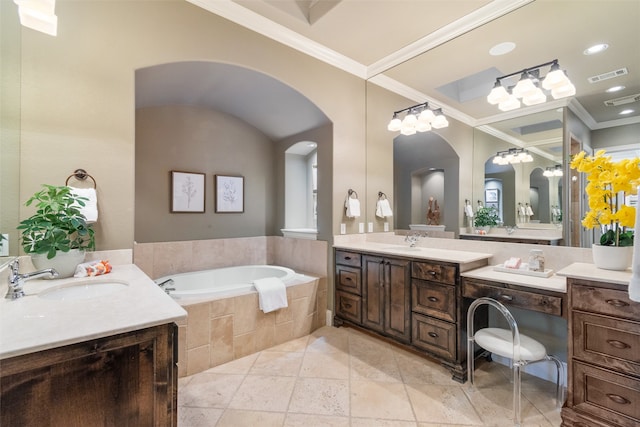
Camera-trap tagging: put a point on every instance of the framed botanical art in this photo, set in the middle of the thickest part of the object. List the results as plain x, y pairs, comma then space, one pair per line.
229, 194
187, 192
491, 195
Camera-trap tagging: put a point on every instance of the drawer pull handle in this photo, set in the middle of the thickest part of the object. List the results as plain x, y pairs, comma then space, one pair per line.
618, 399
433, 335
347, 305
348, 258
506, 297
618, 344
432, 272
617, 303
348, 279
433, 299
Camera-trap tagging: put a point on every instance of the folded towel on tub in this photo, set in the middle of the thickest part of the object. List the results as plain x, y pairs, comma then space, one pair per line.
272, 293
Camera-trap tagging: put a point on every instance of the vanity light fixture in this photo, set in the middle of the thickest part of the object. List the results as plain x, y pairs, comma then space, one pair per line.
530, 87
511, 156
552, 171
417, 118
38, 15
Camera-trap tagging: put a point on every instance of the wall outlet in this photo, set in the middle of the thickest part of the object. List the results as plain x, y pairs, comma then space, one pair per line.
4, 245
386, 226
361, 227
343, 228
370, 227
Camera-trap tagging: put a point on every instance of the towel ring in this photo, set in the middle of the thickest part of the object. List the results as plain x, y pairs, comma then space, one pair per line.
381, 195
352, 192
80, 175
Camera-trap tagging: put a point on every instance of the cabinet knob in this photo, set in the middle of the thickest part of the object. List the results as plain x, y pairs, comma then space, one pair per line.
432, 272
348, 279
433, 335
618, 399
506, 297
348, 258
433, 299
617, 303
347, 305
618, 344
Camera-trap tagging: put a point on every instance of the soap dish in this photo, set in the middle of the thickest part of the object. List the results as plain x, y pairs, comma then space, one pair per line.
523, 270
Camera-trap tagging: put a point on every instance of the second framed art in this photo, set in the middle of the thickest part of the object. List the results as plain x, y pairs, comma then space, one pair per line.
229, 194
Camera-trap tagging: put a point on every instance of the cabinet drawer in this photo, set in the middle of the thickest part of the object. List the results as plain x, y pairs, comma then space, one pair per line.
609, 342
601, 300
434, 271
605, 394
528, 300
434, 335
349, 307
348, 279
348, 258
434, 299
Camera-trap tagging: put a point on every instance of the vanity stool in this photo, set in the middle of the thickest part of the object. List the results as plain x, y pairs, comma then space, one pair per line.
509, 343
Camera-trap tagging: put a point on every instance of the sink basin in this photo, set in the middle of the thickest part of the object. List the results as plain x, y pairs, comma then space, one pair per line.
83, 290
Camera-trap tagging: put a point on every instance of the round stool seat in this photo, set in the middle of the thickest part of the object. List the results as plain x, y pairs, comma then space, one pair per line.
500, 342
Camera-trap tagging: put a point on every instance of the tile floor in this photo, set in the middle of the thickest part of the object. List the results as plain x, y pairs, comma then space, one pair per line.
342, 377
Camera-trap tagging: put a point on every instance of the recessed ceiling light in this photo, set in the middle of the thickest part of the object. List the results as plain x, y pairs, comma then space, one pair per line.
615, 89
596, 49
502, 48
625, 112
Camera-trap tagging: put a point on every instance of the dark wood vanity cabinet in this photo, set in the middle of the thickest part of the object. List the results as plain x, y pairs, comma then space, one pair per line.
123, 380
386, 296
348, 282
604, 356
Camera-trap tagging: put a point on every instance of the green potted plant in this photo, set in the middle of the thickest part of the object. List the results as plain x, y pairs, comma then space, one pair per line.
486, 217
57, 235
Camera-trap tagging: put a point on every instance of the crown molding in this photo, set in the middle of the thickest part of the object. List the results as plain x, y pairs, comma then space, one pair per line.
473, 20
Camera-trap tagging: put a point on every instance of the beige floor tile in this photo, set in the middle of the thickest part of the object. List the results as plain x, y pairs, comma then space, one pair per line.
263, 393
370, 422
198, 417
277, 363
240, 418
442, 404
372, 399
375, 366
495, 406
328, 340
325, 365
416, 369
304, 420
320, 396
298, 344
238, 366
209, 390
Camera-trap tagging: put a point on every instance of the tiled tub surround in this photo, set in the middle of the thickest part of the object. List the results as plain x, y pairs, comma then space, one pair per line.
223, 329
229, 328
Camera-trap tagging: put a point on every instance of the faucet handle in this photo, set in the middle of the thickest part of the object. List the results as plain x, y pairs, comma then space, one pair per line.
15, 267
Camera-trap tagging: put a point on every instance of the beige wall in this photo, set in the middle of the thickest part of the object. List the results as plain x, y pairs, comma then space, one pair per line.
193, 139
78, 96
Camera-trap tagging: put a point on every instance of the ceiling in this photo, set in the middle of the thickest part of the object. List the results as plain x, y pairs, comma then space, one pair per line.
419, 47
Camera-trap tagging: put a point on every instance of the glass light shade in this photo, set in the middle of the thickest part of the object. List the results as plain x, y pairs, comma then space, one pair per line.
46, 7
426, 116
527, 158
395, 125
409, 120
500, 160
537, 97
408, 130
558, 172
547, 173
439, 122
554, 79
423, 126
563, 91
39, 21
524, 87
497, 95
511, 103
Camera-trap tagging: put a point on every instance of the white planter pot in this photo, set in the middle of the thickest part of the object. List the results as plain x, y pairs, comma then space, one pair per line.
64, 263
612, 257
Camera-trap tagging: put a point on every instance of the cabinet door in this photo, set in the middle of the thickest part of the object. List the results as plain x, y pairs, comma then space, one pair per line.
373, 293
398, 298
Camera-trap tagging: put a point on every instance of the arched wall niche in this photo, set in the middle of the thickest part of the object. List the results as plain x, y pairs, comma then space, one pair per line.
219, 119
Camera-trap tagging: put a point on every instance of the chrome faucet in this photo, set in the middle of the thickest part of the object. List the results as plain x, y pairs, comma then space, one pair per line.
164, 284
413, 237
16, 280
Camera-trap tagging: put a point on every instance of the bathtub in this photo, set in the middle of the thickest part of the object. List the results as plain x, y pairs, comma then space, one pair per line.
224, 282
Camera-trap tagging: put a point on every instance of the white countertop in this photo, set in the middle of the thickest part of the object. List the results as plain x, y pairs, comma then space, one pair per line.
582, 270
32, 323
553, 283
435, 254
515, 236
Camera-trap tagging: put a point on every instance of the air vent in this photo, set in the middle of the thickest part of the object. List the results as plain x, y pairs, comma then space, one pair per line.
623, 100
608, 75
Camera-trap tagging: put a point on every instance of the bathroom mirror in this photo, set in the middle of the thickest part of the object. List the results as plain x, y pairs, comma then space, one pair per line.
10, 69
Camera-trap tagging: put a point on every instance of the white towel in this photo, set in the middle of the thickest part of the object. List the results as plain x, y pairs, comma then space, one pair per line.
469, 211
529, 211
353, 207
90, 208
383, 209
634, 283
272, 293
